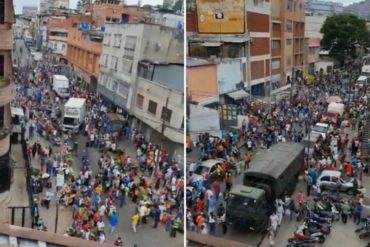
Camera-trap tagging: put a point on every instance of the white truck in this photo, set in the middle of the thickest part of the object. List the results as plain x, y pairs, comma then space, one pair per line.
74, 114
61, 86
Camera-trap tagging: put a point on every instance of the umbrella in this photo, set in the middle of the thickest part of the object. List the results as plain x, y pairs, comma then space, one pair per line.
334, 99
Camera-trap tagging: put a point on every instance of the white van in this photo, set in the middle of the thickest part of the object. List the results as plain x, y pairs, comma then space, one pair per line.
321, 128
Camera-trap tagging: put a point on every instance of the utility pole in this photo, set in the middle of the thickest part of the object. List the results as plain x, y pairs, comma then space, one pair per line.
157, 156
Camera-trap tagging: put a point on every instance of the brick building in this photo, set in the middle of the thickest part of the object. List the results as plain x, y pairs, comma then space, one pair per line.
6, 89
267, 37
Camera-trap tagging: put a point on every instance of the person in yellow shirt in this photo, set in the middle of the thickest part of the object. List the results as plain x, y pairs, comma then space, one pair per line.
134, 221
99, 189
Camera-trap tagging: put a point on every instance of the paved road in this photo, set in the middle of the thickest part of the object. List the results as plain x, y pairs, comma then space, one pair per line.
146, 236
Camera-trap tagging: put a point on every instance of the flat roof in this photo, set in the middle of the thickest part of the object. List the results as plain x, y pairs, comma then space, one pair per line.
251, 192
60, 77
194, 62
75, 102
275, 161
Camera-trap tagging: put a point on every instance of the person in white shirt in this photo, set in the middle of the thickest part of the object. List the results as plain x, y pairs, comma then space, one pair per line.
100, 225
101, 237
274, 222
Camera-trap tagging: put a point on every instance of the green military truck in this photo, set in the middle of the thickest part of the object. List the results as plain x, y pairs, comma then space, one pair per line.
271, 174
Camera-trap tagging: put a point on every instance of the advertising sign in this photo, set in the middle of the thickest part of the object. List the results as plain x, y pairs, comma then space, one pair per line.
220, 16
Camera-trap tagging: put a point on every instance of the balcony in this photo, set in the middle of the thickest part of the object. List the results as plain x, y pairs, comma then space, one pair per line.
6, 41
7, 91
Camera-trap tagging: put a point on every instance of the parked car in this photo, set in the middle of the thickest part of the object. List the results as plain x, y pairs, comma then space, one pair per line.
321, 128
207, 166
328, 180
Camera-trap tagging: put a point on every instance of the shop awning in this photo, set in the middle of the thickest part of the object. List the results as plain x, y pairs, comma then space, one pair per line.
237, 95
17, 111
362, 78
211, 44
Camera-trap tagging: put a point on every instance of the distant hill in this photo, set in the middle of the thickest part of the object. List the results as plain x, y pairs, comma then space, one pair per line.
361, 9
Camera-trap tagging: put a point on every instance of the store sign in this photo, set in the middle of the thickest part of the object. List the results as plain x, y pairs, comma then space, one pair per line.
223, 16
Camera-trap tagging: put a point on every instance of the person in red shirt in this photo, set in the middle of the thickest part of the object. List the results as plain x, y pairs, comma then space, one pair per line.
199, 205
300, 198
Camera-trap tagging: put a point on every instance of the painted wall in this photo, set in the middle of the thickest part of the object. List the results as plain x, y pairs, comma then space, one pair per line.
228, 75
201, 82
203, 119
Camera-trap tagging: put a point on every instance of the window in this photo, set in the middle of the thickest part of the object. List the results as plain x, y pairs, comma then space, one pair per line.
104, 60
123, 90
106, 40
255, 2
130, 45
276, 44
117, 40
2, 65
289, 61
166, 114
289, 26
126, 65
275, 27
152, 107
2, 11
289, 5
2, 109
275, 64
288, 41
140, 101
326, 178
114, 63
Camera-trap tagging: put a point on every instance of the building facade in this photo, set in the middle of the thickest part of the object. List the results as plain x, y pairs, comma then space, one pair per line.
124, 46
313, 36
6, 90
265, 37
115, 13
83, 54
324, 8
29, 10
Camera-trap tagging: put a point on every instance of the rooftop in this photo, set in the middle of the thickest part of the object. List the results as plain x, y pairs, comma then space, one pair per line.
194, 62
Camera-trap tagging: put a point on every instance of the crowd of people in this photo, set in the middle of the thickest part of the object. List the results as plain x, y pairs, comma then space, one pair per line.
95, 190
287, 120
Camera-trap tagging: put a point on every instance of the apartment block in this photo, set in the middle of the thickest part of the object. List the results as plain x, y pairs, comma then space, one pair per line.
288, 41
134, 51
265, 37
114, 13
313, 37
6, 90
83, 54
57, 34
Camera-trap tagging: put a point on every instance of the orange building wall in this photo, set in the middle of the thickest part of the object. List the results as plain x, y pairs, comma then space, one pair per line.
83, 53
202, 82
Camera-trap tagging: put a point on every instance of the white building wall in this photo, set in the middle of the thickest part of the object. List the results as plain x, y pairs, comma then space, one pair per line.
229, 74
203, 119
58, 47
159, 94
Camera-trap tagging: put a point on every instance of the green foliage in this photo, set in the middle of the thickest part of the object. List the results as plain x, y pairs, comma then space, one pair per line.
342, 33
178, 5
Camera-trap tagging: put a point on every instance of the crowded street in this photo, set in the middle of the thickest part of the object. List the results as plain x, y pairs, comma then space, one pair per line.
217, 166
102, 184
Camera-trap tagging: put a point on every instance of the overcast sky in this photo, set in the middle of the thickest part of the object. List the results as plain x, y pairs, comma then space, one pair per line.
20, 3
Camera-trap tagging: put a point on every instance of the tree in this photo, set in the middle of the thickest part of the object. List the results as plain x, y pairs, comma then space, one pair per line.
178, 5
342, 33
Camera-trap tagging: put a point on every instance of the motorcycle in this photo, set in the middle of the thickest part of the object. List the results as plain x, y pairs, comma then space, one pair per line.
299, 236
314, 226
365, 226
329, 210
320, 219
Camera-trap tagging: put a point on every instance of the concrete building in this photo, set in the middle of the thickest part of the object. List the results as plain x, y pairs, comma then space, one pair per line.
57, 35
47, 5
313, 38
265, 37
288, 42
324, 8
166, 19
29, 10
124, 46
83, 54
168, 4
201, 80
115, 13
159, 104
6, 90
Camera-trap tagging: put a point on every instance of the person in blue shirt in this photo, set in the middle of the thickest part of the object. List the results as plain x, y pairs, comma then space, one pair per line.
113, 220
358, 213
